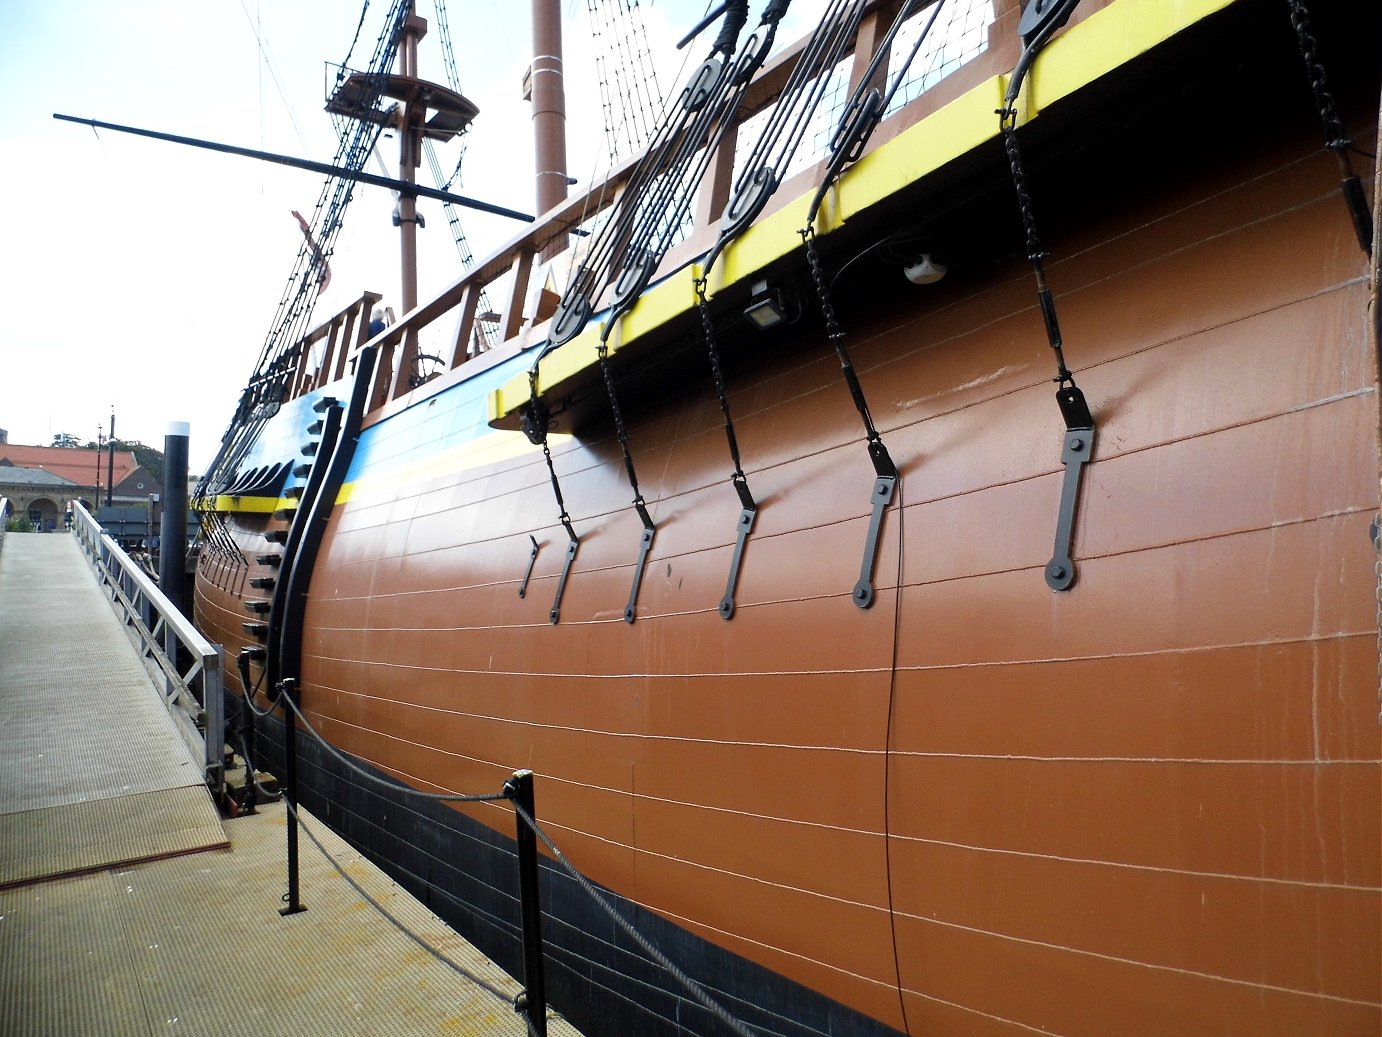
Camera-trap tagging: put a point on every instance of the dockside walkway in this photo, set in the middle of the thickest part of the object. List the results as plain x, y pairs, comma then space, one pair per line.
128, 907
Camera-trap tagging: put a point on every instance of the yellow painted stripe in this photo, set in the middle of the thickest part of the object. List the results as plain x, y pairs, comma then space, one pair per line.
491, 448
258, 505
1078, 57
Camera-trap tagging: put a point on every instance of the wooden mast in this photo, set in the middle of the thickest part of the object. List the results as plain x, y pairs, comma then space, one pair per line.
549, 104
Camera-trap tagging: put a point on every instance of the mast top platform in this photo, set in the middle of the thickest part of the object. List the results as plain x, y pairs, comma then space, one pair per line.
451, 112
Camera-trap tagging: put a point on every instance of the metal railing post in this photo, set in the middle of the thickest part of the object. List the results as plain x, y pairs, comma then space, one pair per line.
519, 788
214, 706
287, 688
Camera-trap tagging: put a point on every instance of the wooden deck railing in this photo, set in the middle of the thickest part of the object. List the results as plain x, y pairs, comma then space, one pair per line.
512, 275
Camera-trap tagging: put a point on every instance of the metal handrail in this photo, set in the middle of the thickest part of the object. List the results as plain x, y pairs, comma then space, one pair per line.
193, 697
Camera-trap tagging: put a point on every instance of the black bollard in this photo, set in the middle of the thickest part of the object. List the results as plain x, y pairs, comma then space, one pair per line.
172, 551
519, 788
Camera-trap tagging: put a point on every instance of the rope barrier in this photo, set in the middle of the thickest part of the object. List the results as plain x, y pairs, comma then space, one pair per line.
441, 797
393, 920
693, 988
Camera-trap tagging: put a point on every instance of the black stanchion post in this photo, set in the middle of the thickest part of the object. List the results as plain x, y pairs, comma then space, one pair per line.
287, 688
519, 788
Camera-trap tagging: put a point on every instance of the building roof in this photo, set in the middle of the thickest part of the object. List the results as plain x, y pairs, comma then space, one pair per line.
73, 464
16, 476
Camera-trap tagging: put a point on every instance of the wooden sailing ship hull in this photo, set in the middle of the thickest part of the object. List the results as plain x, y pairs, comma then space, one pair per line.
1148, 804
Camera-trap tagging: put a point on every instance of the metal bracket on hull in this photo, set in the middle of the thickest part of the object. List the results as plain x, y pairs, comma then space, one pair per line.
747, 518
528, 575
1077, 452
571, 549
645, 544
881, 496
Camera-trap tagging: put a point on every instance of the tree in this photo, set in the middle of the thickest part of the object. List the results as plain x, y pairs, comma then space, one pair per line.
66, 439
150, 460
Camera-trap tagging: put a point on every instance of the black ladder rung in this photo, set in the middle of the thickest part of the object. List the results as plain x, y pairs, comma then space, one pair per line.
276, 536
274, 560
262, 583
258, 605
260, 630
302, 471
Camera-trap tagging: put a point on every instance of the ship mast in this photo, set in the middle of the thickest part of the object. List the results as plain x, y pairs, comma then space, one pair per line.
409, 158
549, 104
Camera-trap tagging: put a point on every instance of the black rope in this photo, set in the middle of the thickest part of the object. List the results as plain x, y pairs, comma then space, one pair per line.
1336, 138
391, 918
693, 988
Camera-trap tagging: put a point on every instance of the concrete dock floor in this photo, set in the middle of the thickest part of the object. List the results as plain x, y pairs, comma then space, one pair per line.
129, 907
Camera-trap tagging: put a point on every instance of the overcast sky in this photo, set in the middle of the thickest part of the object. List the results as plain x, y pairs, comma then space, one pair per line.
145, 274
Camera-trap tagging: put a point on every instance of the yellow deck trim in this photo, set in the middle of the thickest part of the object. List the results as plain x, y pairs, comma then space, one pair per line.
257, 505
1086, 51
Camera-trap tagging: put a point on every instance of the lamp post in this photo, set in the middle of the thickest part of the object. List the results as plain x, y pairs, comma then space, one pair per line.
100, 442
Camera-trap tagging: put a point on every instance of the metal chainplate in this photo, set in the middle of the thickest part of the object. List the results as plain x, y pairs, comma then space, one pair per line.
571, 549
745, 527
882, 494
645, 544
1077, 452
532, 561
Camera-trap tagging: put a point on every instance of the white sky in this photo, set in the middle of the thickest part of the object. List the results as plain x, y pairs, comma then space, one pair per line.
145, 274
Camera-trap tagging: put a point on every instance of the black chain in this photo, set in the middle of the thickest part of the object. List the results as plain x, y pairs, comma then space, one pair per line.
603, 353
837, 339
1035, 252
1336, 138
535, 425
1334, 135
712, 347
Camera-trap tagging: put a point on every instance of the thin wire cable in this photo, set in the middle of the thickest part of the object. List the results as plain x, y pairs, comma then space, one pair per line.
393, 920
397, 786
693, 988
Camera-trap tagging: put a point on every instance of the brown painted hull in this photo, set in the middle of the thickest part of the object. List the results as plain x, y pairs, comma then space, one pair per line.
1147, 805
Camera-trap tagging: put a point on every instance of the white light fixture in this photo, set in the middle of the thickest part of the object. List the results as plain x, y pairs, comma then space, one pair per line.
925, 269
764, 310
